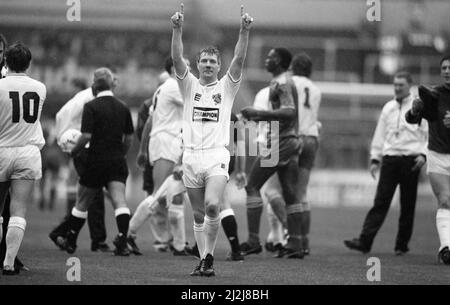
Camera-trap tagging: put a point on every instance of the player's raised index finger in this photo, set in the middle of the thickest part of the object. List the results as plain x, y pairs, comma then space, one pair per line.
242, 10
182, 8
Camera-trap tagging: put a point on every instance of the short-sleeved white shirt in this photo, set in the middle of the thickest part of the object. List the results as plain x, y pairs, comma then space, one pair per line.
309, 98
167, 109
69, 116
261, 102
21, 101
207, 111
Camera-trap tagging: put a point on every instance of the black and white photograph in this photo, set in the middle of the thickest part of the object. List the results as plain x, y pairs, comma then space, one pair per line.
224, 148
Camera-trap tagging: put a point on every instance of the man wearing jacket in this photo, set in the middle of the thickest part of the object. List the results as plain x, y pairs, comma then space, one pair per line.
398, 151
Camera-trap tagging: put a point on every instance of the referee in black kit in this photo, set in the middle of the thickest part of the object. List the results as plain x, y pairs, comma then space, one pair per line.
107, 126
400, 150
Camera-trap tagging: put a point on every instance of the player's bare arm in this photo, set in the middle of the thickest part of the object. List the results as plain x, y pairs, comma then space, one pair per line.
127, 142
82, 141
177, 42
240, 51
252, 114
142, 157
241, 177
286, 112
414, 115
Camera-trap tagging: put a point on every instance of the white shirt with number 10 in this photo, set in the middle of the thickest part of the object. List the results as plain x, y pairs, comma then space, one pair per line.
21, 101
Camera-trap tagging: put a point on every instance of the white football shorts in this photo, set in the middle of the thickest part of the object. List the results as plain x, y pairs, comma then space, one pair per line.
199, 165
438, 163
165, 146
20, 163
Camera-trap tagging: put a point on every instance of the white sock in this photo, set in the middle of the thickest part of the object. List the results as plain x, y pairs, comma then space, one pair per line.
159, 226
177, 228
276, 228
211, 232
14, 236
443, 227
141, 214
199, 235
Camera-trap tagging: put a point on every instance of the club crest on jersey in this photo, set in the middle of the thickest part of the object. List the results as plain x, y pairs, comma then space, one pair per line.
217, 98
205, 114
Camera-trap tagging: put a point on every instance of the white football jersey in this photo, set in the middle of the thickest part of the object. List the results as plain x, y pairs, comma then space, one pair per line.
167, 109
69, 116
21, 101
309, 98
207, 111
261, 102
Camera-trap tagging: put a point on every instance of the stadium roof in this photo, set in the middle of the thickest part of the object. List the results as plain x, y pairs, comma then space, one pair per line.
155, 14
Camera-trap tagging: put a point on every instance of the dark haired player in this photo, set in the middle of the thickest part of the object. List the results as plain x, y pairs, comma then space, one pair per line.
434, 106
283, 150
21, 138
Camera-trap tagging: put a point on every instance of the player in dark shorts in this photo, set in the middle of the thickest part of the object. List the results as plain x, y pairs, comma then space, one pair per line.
147, 175
284, 145
107, 126
434, 106
69, 117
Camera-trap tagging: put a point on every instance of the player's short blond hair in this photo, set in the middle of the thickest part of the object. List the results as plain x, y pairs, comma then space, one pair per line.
211, 50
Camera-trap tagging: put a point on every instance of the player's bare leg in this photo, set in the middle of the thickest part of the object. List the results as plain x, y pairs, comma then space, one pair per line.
78, 216
274, 240
215, 186
122, 214
441, 188
273, 192
197, 199
176, 224
258, 177
288, 175
145, 209
303, 181
21, 195
4, 189
276, 237
229, 225
162, 169
58, 234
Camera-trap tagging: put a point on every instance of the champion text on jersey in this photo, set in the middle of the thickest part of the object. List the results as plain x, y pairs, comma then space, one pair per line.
205, 114
197, 97
217, 98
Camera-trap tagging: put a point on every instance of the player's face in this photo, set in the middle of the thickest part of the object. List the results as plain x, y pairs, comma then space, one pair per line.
272, 60
445, 71
401, 87
208, 66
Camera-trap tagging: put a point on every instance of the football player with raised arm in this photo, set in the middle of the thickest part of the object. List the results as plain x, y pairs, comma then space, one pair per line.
206, 123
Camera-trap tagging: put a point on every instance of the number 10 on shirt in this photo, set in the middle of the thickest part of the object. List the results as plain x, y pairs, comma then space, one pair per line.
28, 99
